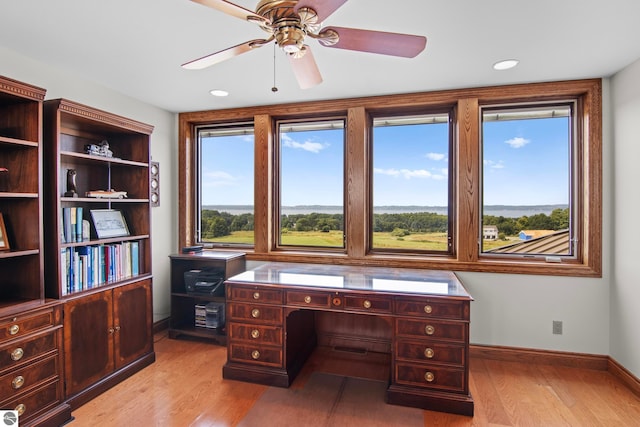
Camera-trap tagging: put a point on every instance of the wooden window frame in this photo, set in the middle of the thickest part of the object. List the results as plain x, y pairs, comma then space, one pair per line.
466, 105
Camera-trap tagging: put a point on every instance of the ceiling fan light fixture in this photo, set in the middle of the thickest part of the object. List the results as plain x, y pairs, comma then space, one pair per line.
505, 64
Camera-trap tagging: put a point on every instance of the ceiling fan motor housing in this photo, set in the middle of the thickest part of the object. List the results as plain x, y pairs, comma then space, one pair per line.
288, 27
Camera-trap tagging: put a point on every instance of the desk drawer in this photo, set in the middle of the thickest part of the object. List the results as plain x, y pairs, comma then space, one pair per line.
438, 330
432, 308
17, 326
255, 294
22, 351
431, 352
368, 303
428, 376
22, 379
255, 313
255, 333
255, 354
309, 299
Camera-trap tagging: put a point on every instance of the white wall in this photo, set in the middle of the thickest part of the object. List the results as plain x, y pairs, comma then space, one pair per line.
63, 84
625, 289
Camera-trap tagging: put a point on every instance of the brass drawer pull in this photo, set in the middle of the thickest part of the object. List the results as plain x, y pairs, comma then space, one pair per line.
255, 313
14, 329
429, 330
255, 355
17, 382
307, 299
256, 295
21, 409
255, 334
366, 304
428, 309
17, 354
429, 377
429, 353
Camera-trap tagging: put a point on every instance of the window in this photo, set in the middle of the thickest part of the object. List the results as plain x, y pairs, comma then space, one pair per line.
528, 167
512, 170
411, 183
311, 208
225, 185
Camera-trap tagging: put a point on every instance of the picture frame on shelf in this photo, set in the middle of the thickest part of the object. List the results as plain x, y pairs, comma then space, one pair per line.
109, 223
4, 239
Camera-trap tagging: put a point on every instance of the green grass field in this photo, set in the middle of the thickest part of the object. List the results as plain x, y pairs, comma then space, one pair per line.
333, 239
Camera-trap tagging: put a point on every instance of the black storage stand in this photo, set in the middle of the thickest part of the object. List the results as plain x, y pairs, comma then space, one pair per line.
197, 308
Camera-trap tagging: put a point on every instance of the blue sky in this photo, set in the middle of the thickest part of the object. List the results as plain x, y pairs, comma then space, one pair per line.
525, 163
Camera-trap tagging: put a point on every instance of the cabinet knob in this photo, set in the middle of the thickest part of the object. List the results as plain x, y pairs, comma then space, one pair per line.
17, 382
429, 330
428, 309
255, 313
117, 328
255, 334
255, 355
111, 330
307, 299
366, 304
14, 329
429, 353
21, 409
17, 354
429, 377
256, 295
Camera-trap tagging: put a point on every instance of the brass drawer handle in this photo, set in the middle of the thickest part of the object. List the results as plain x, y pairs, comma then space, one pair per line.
256, 295
307, 299
429, 330
17, 354
255, 313
429, 353
255, 355
14, 329
21, 409
429, 377
428, 309
366, 304
255, 334
17, 382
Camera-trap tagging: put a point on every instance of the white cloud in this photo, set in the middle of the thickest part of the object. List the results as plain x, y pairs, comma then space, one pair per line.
313, 147
218, 179
435, 156
494, 165
517, 142
406, 173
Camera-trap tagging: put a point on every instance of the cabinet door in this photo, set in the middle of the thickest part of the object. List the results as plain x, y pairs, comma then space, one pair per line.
132, 321
88, 340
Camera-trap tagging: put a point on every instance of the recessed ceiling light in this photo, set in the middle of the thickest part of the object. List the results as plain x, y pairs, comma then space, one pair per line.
506, 64
219, 92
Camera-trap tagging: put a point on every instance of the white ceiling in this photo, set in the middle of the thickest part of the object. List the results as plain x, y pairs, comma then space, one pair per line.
136, 47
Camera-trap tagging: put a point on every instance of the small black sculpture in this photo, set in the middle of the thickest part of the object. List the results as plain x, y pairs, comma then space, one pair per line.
72, 190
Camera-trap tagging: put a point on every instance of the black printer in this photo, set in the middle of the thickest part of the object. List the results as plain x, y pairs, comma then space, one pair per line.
207, 281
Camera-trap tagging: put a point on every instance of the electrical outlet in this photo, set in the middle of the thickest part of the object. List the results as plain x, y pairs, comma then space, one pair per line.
557, 327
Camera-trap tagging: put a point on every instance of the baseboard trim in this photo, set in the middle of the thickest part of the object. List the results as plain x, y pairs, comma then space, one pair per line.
549, 357
160, 325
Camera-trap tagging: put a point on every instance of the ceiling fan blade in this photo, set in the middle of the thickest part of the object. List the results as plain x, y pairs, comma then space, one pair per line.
223, 55
394, 44
323, 8
305, 69
233, 10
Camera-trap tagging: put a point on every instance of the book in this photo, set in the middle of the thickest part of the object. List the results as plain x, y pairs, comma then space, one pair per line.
79, 224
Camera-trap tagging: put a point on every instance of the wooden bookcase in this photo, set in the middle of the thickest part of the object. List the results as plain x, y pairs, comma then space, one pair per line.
30, 324
97, 275
182, 321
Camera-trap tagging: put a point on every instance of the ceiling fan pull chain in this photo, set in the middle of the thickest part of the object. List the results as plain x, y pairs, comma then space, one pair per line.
274, 89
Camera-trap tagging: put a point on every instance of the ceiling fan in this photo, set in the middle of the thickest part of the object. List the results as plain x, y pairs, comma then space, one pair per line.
289, 22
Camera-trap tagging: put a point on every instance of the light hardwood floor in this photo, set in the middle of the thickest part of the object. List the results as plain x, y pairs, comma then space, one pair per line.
185, 388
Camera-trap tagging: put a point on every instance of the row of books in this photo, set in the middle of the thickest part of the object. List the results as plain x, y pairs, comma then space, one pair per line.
88, 267
73, 228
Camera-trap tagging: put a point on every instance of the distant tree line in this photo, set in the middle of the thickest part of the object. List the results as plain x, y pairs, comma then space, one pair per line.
218, 224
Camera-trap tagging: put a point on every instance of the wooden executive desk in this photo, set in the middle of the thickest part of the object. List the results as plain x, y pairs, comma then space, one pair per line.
271, 332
